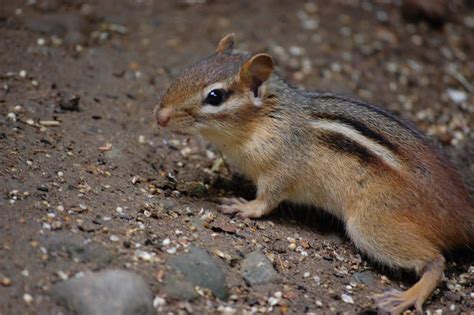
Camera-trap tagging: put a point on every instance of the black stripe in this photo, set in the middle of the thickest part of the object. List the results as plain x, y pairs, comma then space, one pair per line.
402, 122
339, 143
360, 127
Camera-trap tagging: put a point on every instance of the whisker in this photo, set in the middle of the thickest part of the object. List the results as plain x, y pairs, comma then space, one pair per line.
158, 95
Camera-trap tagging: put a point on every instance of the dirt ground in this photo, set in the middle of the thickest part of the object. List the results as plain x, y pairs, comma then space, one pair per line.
106, 175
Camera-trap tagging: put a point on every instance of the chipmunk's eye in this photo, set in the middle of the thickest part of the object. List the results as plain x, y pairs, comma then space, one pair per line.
215, 97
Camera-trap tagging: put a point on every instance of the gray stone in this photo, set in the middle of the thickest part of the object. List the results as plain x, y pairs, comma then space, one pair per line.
58, 24
107, 292
364, 277
177, 287
257, 269
76, 249
196, 268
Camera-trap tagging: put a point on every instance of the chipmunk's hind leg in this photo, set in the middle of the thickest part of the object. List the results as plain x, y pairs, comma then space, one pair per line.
395, 302
399, 242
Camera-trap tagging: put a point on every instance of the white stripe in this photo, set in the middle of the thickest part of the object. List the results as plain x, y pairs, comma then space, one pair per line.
356, 136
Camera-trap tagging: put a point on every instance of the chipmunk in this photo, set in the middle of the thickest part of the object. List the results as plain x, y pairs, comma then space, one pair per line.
400, 200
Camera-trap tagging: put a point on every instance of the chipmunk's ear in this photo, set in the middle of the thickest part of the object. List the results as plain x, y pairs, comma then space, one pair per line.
226, 43
256, 71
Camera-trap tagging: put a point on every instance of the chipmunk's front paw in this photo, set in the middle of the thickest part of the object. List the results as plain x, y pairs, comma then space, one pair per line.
246, 209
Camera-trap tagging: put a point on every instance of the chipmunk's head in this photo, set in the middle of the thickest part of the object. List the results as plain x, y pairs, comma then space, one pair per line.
218, 93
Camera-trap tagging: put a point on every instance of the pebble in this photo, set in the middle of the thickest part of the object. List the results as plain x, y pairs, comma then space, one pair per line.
49, 123
76, 249
347, 298
11, 116
106, 292
67, 101
5, 281
195, 268
158, 301
364, 277
43, 188
27, 298
457, 96
258, 270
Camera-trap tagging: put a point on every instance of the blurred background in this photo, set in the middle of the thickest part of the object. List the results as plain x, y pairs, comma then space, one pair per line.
79, 80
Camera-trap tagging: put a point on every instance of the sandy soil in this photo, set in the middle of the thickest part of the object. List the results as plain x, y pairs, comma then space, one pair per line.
105, 174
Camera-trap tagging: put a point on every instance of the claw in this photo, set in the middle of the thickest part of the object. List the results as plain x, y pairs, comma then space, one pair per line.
395, 302
241, 207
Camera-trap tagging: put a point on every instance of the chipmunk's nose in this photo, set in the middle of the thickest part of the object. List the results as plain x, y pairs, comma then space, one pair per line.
163, 116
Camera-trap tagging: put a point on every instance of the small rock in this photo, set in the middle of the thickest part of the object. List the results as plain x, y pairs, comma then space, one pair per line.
11, 116
107, 292
347, 298
27, 298
196, 268
105, 147
177, 287
89, 226
257, 269
67, 101
280, 246
457, 96
5, 281
364, 277
43, 188
76, 249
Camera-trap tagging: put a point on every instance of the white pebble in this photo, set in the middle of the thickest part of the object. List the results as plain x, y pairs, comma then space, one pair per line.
158, 301
296, 50
41, 41
114, 238
317, 279
141, 139
166, 242
171, 250
11, 116
273, 301
306, 274
62, 275
347, 298
310, 24
25, 273
27, 298
22, 74
457, 96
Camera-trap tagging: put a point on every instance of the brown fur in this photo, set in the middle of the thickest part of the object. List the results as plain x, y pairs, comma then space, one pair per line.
401, 201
